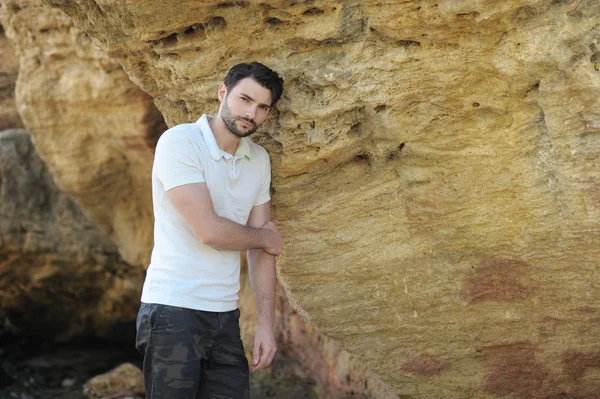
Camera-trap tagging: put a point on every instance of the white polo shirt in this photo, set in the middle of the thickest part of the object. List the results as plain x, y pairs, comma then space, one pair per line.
183, 271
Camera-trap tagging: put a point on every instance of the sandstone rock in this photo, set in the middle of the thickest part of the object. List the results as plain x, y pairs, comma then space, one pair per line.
82, 109
48, 48
306, 355
126, 380
61, 277
434, 171
9, 68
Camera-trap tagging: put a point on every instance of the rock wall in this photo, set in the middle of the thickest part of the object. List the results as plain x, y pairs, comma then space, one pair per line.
434, 171
60, 276
307, 364
93, 128
9, 68
92, 94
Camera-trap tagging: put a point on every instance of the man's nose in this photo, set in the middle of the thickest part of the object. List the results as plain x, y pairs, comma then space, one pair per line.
251, 112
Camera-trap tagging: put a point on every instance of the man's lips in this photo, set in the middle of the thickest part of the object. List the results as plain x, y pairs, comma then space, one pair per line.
246, 123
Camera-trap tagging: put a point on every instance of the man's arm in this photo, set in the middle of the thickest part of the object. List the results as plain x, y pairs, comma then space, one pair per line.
261, 267
194, 203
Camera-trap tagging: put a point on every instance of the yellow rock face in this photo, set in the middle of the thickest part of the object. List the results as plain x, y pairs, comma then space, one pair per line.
60, 276
82, 111
9, 68
99, 293
435, 172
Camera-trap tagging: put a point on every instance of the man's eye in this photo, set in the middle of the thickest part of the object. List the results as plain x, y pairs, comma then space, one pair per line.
245, 99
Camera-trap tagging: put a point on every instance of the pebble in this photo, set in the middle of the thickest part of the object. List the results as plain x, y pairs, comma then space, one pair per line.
68, 382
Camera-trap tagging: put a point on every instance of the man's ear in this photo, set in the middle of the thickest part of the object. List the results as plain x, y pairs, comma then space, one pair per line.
222, 92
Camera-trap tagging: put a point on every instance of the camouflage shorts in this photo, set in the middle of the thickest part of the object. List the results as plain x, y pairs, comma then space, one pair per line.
191, 354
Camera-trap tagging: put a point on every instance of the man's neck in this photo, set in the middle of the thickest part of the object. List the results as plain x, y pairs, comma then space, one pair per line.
226, 140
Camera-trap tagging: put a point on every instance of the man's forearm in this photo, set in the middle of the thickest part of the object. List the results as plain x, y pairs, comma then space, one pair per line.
261, 266
194, 203
227, 235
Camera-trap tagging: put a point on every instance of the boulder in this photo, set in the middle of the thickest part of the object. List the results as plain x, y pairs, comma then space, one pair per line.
434, 170
82, 109
107, 175
123, 381
60, 276
9, 68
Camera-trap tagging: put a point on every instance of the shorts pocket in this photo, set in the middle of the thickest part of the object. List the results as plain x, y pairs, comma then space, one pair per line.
142, 329
156, 311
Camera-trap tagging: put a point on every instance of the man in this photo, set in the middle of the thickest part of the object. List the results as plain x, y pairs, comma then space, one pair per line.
210, 189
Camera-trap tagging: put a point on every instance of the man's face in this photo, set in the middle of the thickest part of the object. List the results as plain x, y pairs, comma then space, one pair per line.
244, 107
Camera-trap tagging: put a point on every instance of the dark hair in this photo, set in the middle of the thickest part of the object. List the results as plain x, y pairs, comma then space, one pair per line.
266, 77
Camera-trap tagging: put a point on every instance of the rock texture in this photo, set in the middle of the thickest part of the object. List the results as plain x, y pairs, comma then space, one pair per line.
60, 276
307, 364
94, 129
124, 381
9, 68
434, 172
49, 44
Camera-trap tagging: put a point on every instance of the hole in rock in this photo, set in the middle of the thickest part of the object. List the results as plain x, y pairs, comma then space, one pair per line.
192, 29
217, 23
362, 157
595, 60
169, 40
313, 11
229, 4
409, 43
273, 21
473, 14
380, 108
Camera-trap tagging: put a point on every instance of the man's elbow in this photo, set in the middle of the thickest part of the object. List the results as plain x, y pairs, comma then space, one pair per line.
206, 232
206, 238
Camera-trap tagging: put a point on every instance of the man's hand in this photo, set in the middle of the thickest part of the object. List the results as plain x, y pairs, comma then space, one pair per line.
275, 245
264, 347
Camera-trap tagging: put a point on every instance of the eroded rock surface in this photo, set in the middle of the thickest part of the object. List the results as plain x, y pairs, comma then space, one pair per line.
305, 356
9, 68
434, 172
123, 381
90, 124
60, 276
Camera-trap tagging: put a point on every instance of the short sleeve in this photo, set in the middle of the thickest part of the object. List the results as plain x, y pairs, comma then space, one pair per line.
176, 160
265, 188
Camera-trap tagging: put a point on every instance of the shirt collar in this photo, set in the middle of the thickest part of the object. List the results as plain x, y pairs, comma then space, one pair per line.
216, 153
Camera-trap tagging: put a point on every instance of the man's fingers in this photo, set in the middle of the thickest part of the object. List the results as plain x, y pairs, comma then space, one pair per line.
257, 365
265, 359
256, 353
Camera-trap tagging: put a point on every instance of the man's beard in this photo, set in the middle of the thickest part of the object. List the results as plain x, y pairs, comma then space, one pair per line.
229, 119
